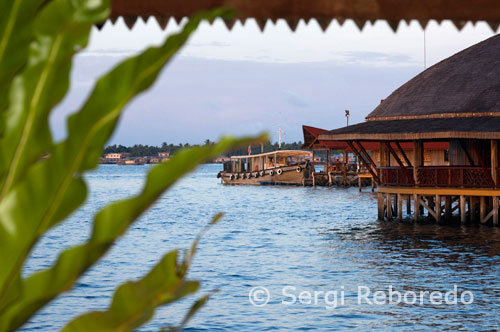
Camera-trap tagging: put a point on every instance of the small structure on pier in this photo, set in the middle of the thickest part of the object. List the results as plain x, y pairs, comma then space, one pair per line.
456, 105
340, 171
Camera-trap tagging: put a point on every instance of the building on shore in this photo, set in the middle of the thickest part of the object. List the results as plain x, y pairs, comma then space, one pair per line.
115, 158
454, 104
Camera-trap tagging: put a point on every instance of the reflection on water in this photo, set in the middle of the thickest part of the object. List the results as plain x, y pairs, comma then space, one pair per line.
314, 239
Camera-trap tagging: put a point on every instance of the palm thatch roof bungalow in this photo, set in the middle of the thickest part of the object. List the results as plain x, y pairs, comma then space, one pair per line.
457, 102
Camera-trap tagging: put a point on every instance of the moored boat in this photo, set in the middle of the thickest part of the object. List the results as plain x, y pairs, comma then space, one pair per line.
291, 167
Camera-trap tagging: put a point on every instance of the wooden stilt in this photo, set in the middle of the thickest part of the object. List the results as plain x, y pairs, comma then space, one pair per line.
495, 210
329, 179
380, 197
463, 215
400, 207
447, 208
482, 208
314, 179
416, 207
408, 205
359, 183
472, 209
389, 206
438, 208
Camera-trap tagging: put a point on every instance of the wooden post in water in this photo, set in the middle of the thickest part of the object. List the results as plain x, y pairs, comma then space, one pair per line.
400, 207
438, 208
482, 208
416, 207
447, 208
463, 215
408, 205
495, 210
380, 201
472, 208
389, 206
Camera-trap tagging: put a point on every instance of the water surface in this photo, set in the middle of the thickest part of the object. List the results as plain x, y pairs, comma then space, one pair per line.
313, 239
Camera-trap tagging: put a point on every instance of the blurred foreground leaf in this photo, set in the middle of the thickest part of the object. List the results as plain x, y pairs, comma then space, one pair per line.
38, 41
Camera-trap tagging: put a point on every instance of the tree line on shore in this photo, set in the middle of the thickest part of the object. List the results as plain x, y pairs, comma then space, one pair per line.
139, 150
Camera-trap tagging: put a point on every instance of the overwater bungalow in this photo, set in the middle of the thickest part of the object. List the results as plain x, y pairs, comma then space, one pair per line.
455, 103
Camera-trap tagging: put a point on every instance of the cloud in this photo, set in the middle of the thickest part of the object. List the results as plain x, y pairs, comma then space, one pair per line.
294, 99
210, 44
375, 58
213, 106
107, 53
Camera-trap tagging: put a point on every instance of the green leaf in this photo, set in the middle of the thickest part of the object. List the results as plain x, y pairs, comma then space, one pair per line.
60, 29
16, 33
54, 188
109, 224
134, 303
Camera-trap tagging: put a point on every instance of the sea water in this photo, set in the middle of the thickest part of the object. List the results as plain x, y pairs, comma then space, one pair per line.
304, 252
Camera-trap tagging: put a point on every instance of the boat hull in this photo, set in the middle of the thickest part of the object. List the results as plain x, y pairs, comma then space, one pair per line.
288, 175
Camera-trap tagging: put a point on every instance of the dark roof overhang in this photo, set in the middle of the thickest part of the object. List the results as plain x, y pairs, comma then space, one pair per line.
323, 11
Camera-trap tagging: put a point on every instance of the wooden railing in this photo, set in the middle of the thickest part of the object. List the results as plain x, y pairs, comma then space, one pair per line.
440, 176
396, 176
455, 176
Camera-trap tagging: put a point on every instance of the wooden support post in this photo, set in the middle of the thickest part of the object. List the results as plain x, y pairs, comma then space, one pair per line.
329, 178
359, 183
495, 210
394, 199
463, 215
408, 205
473, 202
389, 206
385, 156
380, 197
314, 178
494, 160
482, 208
418, 158
400, 207
416, 207
438, 208
447, 208
373, 185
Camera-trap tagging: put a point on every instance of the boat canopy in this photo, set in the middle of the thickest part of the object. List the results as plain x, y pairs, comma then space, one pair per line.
287, 153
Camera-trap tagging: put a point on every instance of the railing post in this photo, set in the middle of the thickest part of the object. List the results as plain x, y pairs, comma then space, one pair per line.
494, 160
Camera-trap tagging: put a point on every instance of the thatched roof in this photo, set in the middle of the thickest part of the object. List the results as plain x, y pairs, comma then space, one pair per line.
324, 11
477, 127
466, 84
456, 98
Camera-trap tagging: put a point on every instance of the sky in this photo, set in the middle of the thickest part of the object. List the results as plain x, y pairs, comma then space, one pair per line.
243, 81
